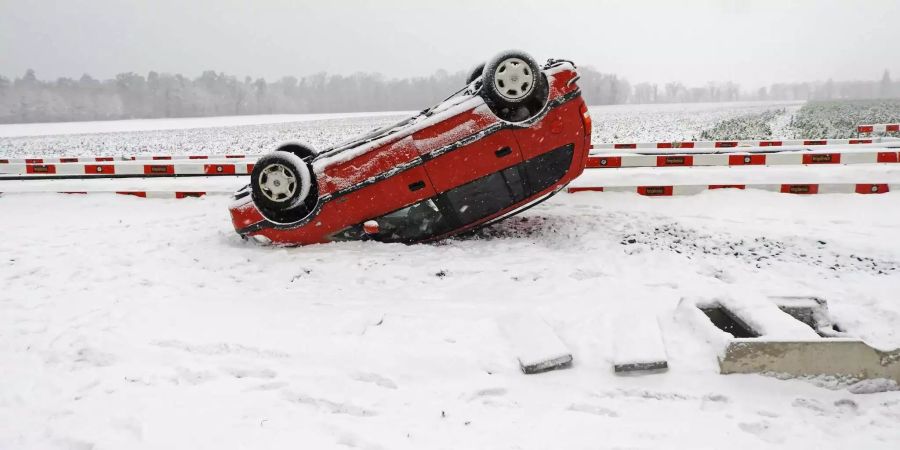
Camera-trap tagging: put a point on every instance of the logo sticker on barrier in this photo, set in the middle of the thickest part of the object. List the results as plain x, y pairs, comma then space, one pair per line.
800, 188
653, 191
822, 158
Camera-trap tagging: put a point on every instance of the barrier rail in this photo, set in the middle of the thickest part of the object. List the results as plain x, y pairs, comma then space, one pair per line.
604, 161
143, 194
93, 159
878, 128
734, 144
121, 169
793, 188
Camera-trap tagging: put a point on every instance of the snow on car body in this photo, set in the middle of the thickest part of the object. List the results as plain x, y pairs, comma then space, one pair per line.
447, 170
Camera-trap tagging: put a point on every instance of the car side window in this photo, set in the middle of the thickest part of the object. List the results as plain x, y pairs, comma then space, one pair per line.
415, 222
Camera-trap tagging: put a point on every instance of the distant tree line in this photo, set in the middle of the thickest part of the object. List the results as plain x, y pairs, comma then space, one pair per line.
130, 95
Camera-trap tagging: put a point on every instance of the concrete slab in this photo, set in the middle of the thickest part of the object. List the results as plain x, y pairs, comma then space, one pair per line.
638, 346
535, 345
838, 357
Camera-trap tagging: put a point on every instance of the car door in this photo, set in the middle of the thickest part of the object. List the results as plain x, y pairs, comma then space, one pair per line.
466, 163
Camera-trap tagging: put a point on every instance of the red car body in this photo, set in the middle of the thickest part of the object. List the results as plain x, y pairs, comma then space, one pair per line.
448, 170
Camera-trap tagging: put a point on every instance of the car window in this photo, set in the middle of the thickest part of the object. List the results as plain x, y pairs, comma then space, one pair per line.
415, 222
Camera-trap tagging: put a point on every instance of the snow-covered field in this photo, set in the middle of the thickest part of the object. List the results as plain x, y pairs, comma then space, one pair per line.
135, 323
259, 134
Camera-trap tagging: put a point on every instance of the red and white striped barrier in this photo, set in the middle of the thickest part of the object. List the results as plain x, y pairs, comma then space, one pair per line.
142, 194
94, 159
106, 169
603, 161
878, 128
724, 145
820, 188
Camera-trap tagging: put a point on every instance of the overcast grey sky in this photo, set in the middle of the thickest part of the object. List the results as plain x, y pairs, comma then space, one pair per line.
751, 42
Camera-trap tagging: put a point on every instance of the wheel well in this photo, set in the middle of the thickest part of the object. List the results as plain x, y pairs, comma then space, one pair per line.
300, 150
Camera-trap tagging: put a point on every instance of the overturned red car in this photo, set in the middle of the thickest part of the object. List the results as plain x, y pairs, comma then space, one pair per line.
514, 136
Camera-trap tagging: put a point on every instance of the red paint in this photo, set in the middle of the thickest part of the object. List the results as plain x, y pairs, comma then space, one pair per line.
68, 160
473, 161
893, 127
40, 169
815, 142
601, 162
134, 193
746, 160
726, 144
198, 157
99, 169
159, 169
865, 128
727, 186
218, 169
872, 188
161, 158
770, 143
888, 157
624, 146
860, 141
584, 189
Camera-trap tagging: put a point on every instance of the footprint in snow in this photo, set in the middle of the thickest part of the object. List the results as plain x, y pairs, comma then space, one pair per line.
592, 409
246, 372
376, 379
764, 430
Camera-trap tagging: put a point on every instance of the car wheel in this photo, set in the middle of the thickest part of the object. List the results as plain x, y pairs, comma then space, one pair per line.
281, 184
303, 151
514, 86
475, 73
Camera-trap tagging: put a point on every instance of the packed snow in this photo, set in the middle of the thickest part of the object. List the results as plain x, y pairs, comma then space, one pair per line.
136, 323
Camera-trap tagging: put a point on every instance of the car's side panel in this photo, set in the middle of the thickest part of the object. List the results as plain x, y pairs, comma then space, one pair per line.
453, 129
370, 164
492, 153
404, 188
561, 83
559, 127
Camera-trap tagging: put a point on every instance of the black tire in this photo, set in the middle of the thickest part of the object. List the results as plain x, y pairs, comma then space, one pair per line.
475, 73
514, 86
272, 192
303, 151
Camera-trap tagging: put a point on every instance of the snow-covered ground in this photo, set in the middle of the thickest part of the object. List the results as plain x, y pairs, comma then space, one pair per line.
135, 323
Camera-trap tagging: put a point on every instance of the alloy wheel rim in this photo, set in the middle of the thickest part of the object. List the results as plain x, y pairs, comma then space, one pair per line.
513, 79
277, 182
